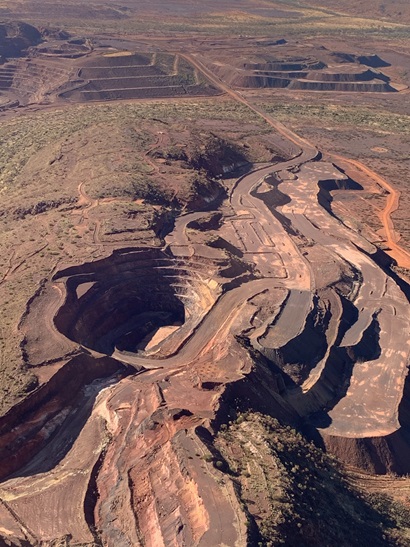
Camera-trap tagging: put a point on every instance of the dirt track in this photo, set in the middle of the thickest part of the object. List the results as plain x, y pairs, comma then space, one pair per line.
397, 252
401, 255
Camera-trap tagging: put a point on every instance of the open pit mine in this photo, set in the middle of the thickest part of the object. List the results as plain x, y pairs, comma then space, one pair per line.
147, 356
273, 305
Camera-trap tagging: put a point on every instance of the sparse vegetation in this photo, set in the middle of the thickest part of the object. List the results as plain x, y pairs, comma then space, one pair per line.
294, 18
298, 495
341, 115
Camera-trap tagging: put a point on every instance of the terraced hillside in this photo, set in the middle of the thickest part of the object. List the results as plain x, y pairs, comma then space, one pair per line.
31, 80
282, 66
306, 75
132, 76
65, 70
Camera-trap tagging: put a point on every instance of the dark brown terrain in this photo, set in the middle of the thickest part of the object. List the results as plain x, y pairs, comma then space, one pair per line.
204, 275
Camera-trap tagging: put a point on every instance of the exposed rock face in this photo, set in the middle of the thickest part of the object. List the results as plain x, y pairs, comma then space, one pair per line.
117, 302
257, 81
31, 80
373, 61
375, 86
16, 37
287, 65
30, 425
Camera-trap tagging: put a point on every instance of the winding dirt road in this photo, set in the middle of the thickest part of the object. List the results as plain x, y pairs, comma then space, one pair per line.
400, 254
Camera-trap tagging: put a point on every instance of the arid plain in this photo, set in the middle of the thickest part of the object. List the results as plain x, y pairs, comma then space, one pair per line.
205, 240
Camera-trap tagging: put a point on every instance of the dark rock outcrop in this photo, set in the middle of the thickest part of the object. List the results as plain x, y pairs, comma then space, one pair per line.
16, 37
